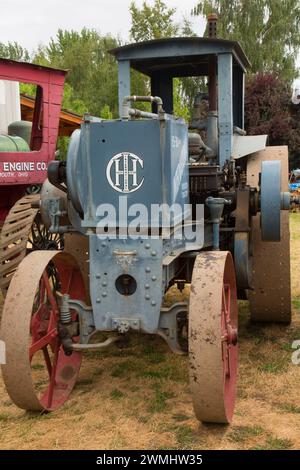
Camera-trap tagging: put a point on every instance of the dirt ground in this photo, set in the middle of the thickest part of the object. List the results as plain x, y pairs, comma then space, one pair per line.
139, 398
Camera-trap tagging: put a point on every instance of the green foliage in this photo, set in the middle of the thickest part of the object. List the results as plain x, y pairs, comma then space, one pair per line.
28, 89
268, 110
152, 22
181, 105
14, 51
267, 29
105, 112
157, 22
71, 102
92, 77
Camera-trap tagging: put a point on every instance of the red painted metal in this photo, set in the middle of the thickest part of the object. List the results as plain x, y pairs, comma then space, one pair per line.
229, 347
15, 178
62, 370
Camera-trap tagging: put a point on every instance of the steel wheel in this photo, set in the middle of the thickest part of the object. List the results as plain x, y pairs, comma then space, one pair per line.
23, 232
38, 375
213, 351
41, 239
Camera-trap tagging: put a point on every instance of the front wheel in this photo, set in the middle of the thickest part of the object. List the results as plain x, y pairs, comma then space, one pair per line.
38, 375
213, 350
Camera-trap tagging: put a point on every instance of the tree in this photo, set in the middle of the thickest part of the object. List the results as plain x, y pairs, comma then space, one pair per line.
92, 77
268, 110
152, 22
13, 51
157, 22
268, 30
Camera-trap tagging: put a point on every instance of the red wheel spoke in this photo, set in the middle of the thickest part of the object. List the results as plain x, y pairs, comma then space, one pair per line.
42, 291
47, 360
53, 373
49, 292
42, 342
70, 280
47, 374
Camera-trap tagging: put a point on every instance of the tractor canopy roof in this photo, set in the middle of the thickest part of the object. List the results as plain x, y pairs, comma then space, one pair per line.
179, 57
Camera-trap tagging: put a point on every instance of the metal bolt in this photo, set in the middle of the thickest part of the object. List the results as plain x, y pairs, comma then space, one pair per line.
153, 303
153, 278
153, 253
147, 297
148, 270
104, 283
103, 244
98, 301
147, 286
98, 276
104, 294
147, 246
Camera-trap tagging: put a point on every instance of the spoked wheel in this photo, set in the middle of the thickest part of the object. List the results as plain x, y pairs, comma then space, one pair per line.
38, 375
213, 350
41, 239
23, 232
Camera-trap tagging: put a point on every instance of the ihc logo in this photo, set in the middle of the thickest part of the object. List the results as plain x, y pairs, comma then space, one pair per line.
122, 172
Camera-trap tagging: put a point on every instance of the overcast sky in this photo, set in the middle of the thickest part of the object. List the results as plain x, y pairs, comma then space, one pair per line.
31, 22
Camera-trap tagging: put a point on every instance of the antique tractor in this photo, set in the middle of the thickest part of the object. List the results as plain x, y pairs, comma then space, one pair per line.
26, 148
221, 226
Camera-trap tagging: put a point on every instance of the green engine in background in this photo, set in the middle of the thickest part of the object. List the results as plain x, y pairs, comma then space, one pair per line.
18, 138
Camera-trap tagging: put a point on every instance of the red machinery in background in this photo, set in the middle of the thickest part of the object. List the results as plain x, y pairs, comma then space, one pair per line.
21, 171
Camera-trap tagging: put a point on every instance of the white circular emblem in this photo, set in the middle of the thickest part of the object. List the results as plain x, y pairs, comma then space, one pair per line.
122, 172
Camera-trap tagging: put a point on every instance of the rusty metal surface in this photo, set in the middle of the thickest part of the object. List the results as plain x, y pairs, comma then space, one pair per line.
78, 246
212, 392
14, 237
16, 328
270, 299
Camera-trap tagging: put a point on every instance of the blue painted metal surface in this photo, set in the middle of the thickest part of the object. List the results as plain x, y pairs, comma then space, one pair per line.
142, 260
187, 48
173, 57
141, 160
124, 82
225, 107
270, 200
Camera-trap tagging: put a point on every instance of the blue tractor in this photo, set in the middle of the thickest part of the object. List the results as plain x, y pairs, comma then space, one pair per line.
146, 201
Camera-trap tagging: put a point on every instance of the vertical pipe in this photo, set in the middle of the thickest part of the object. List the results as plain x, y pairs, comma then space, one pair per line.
225, 104
212, 83
212, 64
243, 101
216, 236
124, 82
212, 127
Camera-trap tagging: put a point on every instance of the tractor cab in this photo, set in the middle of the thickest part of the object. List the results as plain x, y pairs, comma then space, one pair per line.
221, 63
